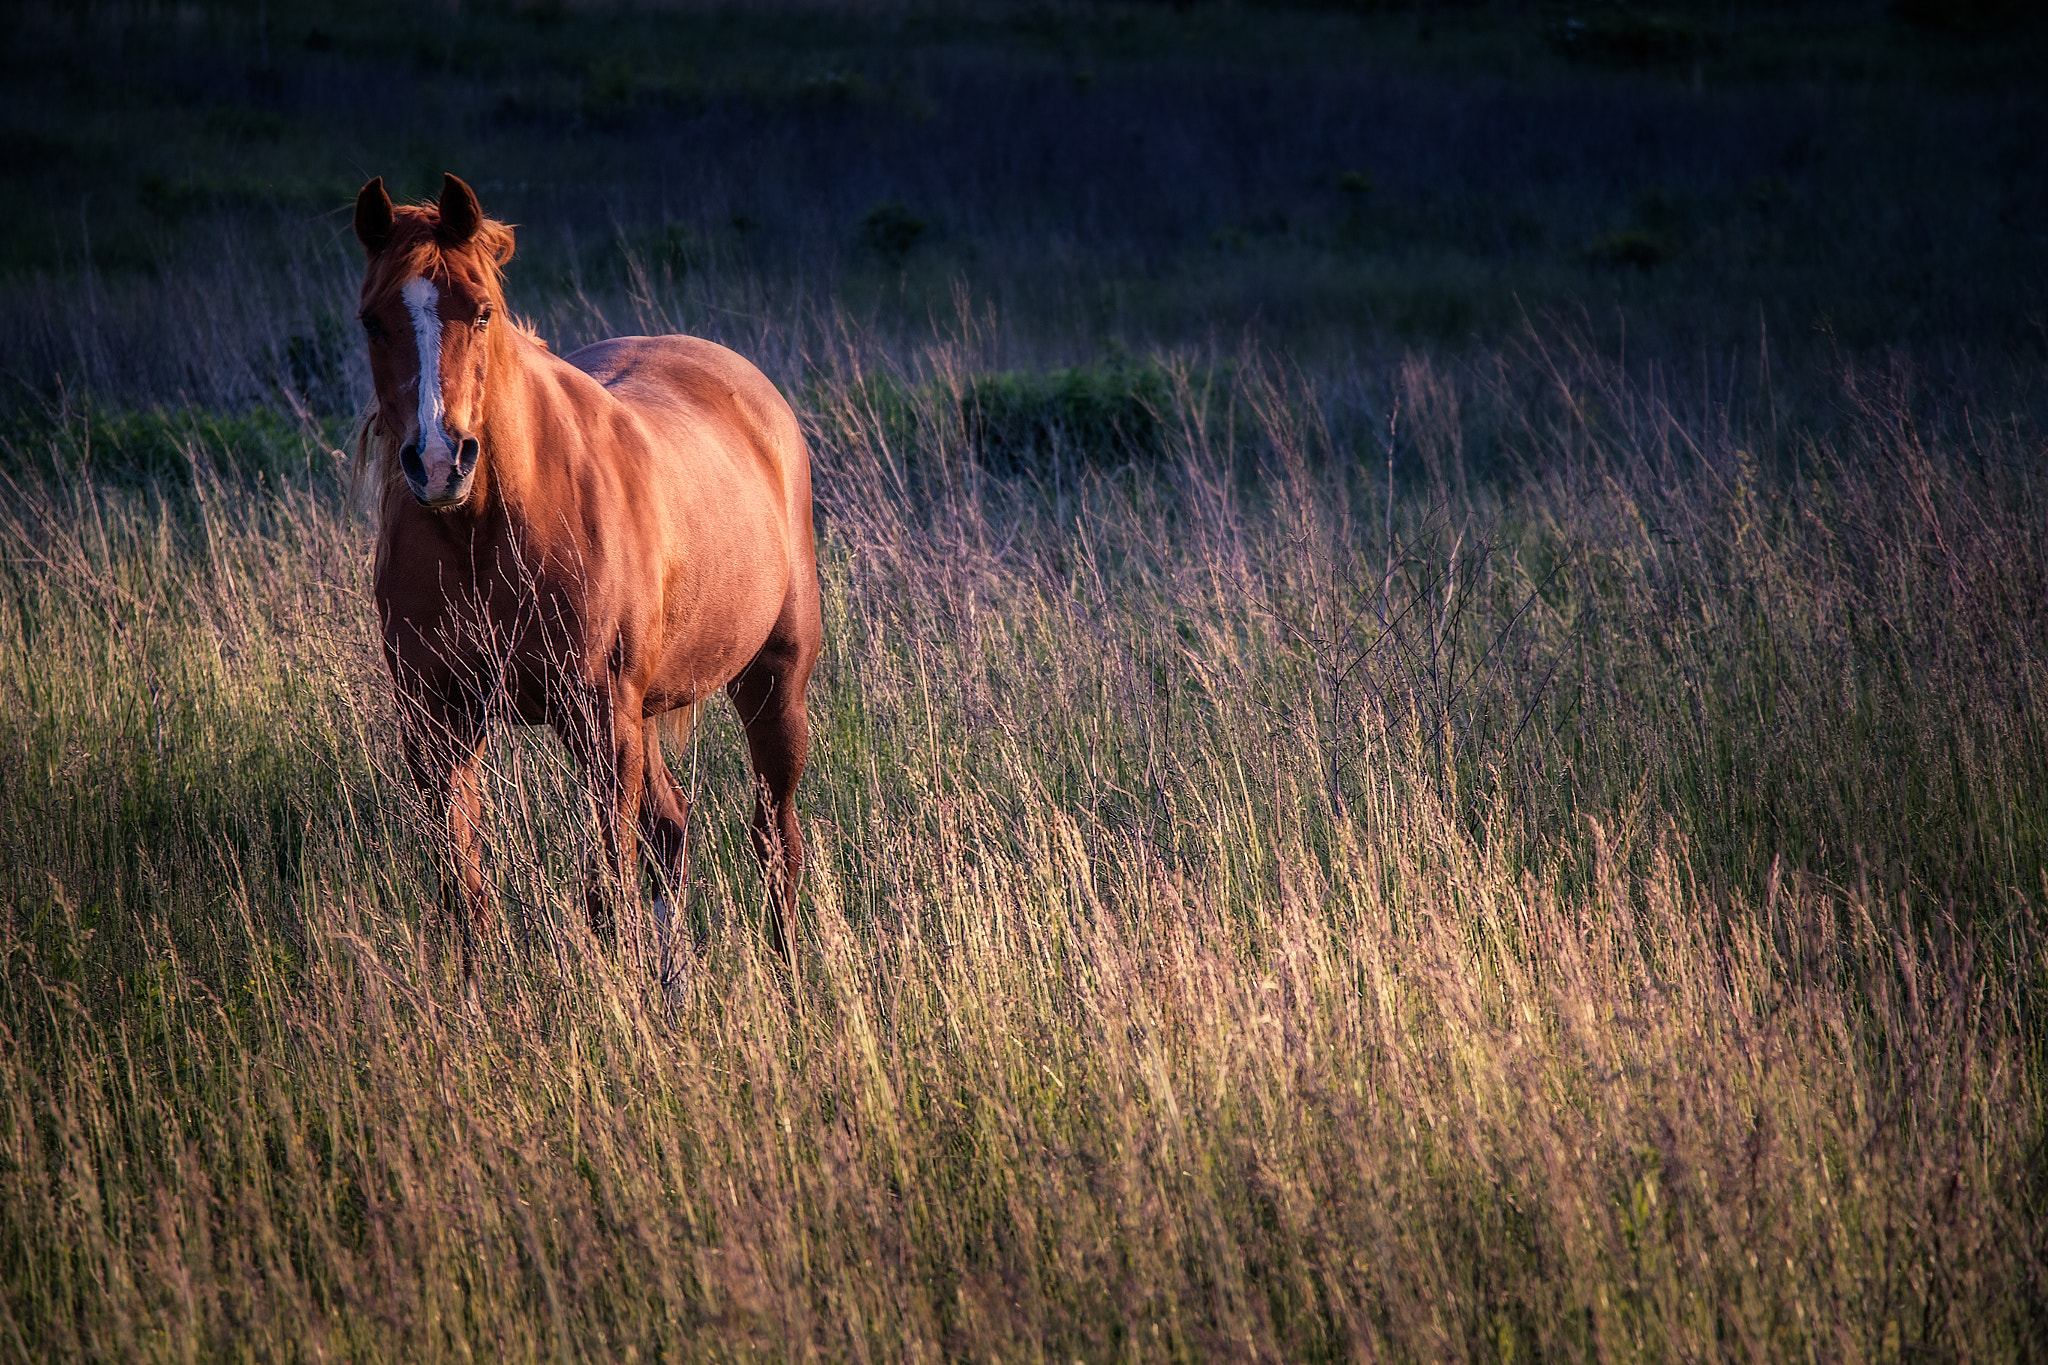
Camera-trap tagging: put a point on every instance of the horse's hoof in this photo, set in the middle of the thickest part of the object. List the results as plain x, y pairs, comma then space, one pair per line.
673, 959
674, 971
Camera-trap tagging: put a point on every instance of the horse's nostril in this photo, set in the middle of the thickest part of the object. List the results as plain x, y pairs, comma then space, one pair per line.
465, 455
409, 461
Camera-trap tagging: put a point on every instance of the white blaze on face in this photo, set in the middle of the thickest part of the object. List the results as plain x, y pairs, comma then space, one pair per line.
437, 453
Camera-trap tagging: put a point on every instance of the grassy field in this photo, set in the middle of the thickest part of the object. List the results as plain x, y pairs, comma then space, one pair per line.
1423, 752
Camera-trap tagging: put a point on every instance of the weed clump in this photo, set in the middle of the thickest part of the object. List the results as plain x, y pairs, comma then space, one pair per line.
1639, 247
1624, 36
1009, 421
890, 230
1654, 235
1099, 414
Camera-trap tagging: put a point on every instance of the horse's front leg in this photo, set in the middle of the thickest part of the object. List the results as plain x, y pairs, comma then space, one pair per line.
605, 733
444, 749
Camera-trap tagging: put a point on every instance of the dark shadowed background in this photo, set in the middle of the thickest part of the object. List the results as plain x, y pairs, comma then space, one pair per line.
1334, 178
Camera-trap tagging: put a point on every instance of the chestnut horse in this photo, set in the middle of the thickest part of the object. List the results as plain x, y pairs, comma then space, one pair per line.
595, 541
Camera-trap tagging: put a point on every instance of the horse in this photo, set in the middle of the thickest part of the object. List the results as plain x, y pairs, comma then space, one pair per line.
596, 542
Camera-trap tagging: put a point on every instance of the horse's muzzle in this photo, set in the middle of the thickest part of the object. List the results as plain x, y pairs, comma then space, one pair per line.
443, 482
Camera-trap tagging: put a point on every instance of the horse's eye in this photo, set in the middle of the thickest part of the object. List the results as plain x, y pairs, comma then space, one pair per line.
483, 315
371, 327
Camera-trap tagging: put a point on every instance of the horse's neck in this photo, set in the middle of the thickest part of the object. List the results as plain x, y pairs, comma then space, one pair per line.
532, 435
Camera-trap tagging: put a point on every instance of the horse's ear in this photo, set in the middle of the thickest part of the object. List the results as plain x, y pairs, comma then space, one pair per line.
461, 215
374, 219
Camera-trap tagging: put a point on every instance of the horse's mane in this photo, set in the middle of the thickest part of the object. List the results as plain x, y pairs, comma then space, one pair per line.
415, 249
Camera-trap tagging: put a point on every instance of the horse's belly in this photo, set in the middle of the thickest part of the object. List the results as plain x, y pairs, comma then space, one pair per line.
698, 662
526, 697
720, 602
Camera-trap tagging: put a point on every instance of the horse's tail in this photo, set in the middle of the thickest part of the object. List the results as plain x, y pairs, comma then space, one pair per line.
677, 724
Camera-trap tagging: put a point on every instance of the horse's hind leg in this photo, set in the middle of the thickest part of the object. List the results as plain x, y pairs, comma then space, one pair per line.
605, 733
769, 696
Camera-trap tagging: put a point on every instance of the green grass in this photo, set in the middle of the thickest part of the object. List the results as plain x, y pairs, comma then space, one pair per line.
176, 447
1635, 956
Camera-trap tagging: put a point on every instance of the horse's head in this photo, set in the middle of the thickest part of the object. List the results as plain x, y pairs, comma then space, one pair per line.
429, 294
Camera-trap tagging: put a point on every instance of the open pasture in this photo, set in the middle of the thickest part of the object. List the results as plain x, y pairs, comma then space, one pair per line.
1430, 744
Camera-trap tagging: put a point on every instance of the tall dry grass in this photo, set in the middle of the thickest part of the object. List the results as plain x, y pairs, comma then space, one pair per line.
1586, 905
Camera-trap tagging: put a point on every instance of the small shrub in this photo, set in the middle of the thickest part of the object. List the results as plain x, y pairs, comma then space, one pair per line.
1101, 414
835, 90
1654, 235
1960, 18
1633, 246
677, 248
609, 93
1767, 193
890, 230
1621, 36
170, 199
1013, 420
1426, 310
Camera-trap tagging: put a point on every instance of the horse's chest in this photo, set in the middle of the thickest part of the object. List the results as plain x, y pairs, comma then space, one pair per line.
493, 622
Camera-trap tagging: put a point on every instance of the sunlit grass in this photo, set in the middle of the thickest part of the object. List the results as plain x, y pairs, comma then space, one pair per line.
1634, 955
